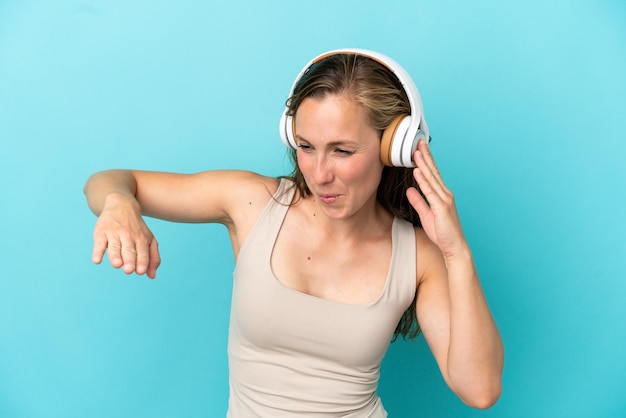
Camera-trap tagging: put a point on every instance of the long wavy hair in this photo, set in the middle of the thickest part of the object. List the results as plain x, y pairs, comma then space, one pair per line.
379, 91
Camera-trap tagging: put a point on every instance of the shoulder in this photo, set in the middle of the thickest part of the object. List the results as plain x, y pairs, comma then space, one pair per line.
240, 182
240, 178
246, 191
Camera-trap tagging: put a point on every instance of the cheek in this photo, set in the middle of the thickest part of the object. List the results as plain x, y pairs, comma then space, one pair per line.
302, 161
365, 171
306, 166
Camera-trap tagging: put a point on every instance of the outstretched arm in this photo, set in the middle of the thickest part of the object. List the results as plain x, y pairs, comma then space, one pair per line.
451, 307
121, 197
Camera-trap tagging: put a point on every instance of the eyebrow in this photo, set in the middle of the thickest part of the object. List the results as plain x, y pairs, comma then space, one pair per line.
332, 143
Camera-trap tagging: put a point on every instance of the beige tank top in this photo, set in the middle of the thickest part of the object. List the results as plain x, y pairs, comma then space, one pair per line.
295, 355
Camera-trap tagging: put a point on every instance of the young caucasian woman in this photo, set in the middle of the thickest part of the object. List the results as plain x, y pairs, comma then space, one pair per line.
334, 261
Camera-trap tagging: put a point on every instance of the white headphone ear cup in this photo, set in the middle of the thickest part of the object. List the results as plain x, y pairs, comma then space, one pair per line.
398, 141
387, 139
282, 129
291, 131
286, 131
409, 147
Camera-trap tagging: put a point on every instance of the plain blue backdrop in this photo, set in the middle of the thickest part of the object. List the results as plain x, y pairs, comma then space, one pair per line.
526, 102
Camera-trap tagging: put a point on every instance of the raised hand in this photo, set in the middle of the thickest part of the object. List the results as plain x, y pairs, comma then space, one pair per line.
437, 212
121, 230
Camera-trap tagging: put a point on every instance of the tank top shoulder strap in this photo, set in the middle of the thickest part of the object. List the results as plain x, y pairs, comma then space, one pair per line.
269, 222
285, 192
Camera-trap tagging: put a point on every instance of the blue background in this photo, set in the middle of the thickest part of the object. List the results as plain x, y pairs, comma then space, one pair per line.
526, 101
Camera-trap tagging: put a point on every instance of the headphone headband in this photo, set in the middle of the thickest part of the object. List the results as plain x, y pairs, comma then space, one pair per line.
401, 136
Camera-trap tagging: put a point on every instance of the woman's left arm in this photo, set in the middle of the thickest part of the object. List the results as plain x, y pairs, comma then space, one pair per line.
451, 306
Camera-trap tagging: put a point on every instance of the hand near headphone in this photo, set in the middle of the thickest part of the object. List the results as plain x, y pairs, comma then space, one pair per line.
131, 245
437, 212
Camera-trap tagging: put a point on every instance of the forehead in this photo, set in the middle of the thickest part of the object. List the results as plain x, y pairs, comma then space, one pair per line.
331, 116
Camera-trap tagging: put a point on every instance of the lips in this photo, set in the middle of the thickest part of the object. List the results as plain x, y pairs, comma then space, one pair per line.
328, 198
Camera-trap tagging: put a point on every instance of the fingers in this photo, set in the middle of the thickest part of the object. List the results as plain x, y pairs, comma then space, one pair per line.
142, 256
424, 150
417, 201
435, 206
427, 175
99, 247
139, 255
114, 248
129, 256
121, 254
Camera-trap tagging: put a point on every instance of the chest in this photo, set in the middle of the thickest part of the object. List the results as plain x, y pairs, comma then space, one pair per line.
352, 272
323, 322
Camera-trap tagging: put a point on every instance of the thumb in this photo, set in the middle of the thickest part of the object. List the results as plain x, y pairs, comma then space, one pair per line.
417, 201
154, 260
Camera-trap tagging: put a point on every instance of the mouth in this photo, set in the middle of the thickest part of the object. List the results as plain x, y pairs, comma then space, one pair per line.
328, 198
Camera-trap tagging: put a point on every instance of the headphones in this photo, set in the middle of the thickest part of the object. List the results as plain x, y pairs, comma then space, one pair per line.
400, 138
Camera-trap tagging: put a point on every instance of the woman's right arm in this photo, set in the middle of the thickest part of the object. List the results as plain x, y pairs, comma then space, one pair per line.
120, 198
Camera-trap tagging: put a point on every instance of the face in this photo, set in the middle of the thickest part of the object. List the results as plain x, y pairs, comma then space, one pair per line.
338, 154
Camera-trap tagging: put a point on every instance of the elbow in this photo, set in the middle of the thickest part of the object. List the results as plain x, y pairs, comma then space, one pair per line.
484, 398
479, 388
478, 393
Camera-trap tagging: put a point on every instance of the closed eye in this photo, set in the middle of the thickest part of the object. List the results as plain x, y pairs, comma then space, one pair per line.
344, 151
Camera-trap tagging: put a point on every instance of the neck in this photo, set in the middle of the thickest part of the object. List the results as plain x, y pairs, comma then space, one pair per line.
371, 219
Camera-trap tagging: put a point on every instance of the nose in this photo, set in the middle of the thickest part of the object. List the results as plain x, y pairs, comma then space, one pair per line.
322, 170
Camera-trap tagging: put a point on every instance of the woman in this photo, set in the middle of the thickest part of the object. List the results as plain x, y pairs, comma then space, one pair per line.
333, 262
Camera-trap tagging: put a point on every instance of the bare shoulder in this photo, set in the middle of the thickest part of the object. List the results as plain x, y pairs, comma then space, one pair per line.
243, 193
240, 178
238, 181
246, 189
